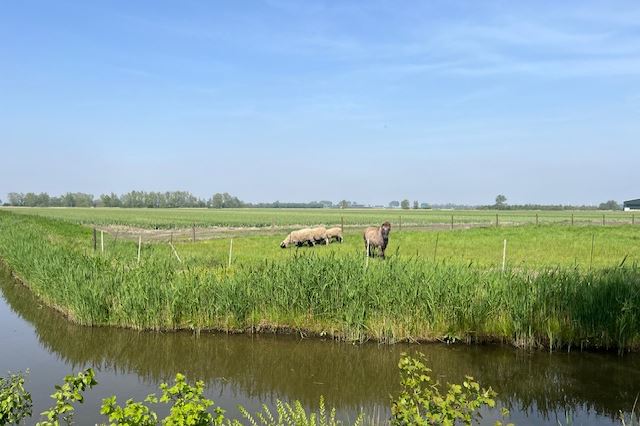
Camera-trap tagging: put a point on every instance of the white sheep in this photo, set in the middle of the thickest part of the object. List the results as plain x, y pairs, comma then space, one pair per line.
335, 233
298, 238
320, 234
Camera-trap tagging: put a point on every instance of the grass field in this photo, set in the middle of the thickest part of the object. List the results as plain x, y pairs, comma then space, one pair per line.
551, 293
181, 218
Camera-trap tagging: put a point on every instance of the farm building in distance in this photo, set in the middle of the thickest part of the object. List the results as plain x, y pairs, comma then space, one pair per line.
632, 205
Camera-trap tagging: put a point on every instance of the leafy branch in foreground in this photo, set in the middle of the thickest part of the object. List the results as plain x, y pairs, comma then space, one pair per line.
15, 401
421, 402
65, 394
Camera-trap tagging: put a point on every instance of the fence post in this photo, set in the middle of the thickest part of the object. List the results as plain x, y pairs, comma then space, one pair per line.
95, 240
367, 254
593, 240
400, 223
101, 241
451, 221
435, 250
504, 255
497, 220
230, 251
193, 228
602, 219
571, 219
139, 246
536, 219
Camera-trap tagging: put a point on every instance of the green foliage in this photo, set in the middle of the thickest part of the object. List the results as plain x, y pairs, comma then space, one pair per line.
15, 401
132, 414
404, 204
66, 394
189, 407
421, 401
610, 205
295, 415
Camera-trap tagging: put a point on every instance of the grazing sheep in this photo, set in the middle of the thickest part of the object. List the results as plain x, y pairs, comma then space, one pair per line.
377, 237
334, 233
298, 238
320, 235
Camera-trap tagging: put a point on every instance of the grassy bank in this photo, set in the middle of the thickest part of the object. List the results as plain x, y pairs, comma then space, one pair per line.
325, 293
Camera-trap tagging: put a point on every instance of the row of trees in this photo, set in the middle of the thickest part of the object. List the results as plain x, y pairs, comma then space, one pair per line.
185, 199
501, 204
31, 199
169, 199
406, 204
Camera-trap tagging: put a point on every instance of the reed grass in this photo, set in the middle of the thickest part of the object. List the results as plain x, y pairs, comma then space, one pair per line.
401, 299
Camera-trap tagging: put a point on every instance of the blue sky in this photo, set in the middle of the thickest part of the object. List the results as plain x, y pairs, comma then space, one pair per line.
437, 101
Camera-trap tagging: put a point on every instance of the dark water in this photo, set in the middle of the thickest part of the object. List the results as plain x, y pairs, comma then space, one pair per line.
538, 388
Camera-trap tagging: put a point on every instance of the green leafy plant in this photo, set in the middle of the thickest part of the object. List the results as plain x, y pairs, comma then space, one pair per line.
15, 401
67, 393
421, 402
294, 415
189, 407
132, 414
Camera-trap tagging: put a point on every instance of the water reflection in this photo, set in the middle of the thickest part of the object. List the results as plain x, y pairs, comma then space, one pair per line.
260, 368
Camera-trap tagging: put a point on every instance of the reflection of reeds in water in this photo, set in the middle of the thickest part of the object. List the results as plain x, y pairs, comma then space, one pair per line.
350, 377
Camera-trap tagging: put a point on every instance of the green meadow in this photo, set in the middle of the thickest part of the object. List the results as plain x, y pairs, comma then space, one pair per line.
562, 286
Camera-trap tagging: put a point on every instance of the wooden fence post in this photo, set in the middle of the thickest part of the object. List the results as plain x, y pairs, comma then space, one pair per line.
435, 249
571, 219
400, 223
536, 219
193, 228
602, 219
593, 240
139, 246
504, 255
101, 241
367, 254
497, 220
95, 240
451, 221
230, 252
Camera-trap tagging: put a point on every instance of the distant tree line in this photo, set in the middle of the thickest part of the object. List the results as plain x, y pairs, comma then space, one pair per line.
185, 199
144, 199
31, 199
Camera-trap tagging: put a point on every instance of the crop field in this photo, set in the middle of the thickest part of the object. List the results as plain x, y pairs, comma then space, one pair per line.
183, 218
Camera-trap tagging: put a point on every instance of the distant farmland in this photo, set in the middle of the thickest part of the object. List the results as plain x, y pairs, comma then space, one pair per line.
184, 218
